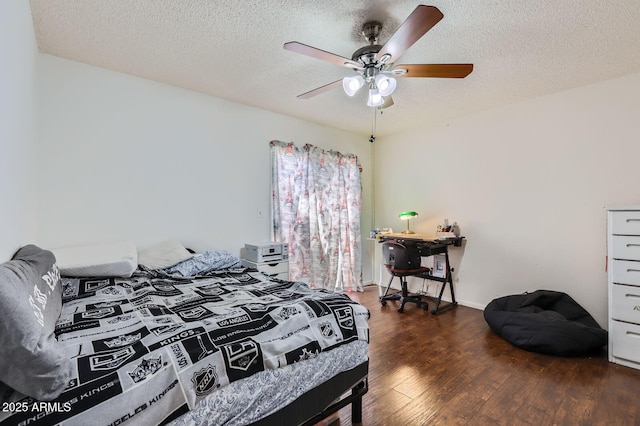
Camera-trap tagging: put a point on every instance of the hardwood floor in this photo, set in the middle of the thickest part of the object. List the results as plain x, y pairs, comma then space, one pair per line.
451, 369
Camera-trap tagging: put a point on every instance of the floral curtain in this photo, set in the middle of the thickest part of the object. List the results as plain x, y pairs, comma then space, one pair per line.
316, 204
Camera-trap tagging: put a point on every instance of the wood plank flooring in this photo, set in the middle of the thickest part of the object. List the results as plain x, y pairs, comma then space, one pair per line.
451, 369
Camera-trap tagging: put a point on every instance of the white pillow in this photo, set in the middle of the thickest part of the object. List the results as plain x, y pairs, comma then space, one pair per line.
163, 255
99, 260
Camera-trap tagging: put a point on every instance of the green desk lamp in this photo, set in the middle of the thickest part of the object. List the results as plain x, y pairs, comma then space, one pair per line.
408, 216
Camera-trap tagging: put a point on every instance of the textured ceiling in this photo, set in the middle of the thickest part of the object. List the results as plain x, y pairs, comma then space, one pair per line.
233, 50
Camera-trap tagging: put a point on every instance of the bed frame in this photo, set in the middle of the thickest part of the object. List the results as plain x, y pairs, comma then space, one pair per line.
323, 400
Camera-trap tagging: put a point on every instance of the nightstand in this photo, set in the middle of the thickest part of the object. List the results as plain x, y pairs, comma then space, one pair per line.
277, 269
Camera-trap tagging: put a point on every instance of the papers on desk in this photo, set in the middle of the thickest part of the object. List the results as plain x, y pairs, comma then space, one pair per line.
445, 235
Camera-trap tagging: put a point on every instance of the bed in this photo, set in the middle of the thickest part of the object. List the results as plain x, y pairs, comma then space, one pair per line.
224, 345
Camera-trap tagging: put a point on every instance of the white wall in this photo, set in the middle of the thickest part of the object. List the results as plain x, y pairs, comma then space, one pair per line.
17, 120
121, 157
528, 184
127, 158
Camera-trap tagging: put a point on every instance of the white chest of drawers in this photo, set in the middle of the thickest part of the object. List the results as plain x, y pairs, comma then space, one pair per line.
623, 251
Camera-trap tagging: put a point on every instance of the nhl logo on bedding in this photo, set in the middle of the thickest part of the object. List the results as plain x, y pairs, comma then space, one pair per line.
68, 290
257, 307
103, 305
287, 312
194, 313
164, 287
211, 290
283, 294
169, 328
120, 318
308, 355
145, 369
345, 317
242, 355
326, 330
205, 380
125, 339
98, 313
91, 286
111, 360
113, 291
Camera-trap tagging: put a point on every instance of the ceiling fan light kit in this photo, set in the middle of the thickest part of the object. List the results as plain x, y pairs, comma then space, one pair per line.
375, 98
374, 63
386, 85
352, 84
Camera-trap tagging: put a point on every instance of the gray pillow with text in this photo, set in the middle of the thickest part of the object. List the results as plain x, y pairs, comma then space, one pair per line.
33, 361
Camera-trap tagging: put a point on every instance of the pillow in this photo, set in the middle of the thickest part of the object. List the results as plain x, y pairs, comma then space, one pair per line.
163, 255
207, 261
34, 362
100, 260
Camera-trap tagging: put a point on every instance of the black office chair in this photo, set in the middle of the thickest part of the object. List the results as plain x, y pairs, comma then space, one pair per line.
402, 261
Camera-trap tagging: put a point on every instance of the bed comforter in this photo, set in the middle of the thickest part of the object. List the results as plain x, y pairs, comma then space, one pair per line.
151, 346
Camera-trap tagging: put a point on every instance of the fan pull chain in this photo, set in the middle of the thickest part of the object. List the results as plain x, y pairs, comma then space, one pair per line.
372, 138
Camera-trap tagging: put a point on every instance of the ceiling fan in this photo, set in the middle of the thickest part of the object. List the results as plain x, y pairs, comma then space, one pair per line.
374, 63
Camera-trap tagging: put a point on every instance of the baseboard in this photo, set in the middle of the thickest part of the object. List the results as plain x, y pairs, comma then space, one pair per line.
471, 304
446, 297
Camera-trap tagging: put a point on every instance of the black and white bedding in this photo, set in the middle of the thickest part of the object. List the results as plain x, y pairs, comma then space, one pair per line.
148, 348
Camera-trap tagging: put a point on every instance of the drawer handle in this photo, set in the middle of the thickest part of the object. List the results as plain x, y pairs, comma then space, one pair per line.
632, 296
633, 245
633, 270
633, 334
633, 220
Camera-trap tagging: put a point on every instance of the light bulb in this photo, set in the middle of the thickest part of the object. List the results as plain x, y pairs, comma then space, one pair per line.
386, 85
375, 98
352, 84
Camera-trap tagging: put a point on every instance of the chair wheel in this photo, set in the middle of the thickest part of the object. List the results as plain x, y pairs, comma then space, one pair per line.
383, 302
425, 307
401, 309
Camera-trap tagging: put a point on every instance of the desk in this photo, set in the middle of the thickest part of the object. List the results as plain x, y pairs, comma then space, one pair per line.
429, 245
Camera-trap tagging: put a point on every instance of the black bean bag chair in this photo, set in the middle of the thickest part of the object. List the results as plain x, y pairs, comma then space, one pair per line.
545, 321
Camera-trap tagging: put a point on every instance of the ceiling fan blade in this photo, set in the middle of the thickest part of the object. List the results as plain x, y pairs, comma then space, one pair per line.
421, 20
314, 52
321, 89
433, 70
